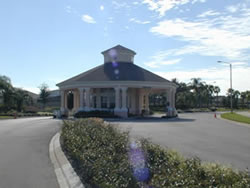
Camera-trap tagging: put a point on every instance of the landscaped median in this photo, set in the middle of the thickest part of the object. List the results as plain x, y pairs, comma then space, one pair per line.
103, 156
236, 117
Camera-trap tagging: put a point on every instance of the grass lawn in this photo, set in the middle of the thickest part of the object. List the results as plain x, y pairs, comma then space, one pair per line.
6, 117
236, 117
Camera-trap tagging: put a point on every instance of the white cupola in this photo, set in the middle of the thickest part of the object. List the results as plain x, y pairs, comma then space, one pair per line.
118, 54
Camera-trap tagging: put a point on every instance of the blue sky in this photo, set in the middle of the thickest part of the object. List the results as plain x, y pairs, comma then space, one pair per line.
49, 41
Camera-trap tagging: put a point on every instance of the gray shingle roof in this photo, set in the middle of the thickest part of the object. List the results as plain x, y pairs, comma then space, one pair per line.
119, 72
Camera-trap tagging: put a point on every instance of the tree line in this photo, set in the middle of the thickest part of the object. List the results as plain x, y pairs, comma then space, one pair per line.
17, 99
199, 94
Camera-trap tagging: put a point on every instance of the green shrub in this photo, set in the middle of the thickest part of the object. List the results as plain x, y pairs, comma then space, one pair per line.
101, 154
169, 169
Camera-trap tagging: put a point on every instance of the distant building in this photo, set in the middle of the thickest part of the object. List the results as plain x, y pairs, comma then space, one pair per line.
117, 85
54, 99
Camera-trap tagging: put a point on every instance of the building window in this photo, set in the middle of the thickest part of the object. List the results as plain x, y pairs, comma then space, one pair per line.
112, 102
104, 101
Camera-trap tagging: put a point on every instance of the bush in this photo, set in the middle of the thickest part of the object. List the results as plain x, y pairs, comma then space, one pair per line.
101, 155
95, 113
169, 169
99, 152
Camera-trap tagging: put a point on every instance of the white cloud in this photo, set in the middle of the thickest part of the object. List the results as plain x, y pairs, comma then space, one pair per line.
139, 21
101, 7
88, 19
159, 63
119, 4
161, 59
162, 6
110, 20
208, 13
224, 36
201, 1
220, 75
68, 9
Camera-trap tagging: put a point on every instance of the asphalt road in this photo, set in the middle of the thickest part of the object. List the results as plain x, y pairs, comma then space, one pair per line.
198, 134
24, 153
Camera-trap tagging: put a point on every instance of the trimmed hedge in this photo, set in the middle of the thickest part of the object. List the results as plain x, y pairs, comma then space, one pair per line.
104, 157
98, 152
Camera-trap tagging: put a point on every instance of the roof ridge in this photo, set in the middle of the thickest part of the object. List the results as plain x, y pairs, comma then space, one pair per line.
118, 46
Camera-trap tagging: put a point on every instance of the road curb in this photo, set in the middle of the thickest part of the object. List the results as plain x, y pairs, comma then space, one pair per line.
66, 175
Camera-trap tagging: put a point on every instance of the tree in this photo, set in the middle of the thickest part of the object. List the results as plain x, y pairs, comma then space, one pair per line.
217, 91
44, 94
197, 85
243, 96
210, 93
248, 98
7, 92
21, 98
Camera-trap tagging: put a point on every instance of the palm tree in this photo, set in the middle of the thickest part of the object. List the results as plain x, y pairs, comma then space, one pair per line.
197, 85
217, 91
243, 96
210, 93
236, 95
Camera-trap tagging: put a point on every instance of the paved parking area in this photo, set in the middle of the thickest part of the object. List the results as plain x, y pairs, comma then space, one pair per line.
197, 134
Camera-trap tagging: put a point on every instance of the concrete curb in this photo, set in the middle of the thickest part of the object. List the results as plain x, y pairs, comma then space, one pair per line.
66, 176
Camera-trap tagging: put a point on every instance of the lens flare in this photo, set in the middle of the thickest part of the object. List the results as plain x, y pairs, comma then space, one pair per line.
138, 162
116, 71
113, 54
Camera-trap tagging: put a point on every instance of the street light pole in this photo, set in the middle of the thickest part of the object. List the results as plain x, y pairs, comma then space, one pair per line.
231, 84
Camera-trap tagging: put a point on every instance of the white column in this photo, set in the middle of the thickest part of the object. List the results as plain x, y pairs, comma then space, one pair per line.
168, 105
81, 97
173, 102
173, 98
124, 98
140, 98
87, 90
117, 98
169, 97
62, 100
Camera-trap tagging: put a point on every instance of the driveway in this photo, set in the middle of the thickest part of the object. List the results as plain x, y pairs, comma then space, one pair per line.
197, 134
24, 153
